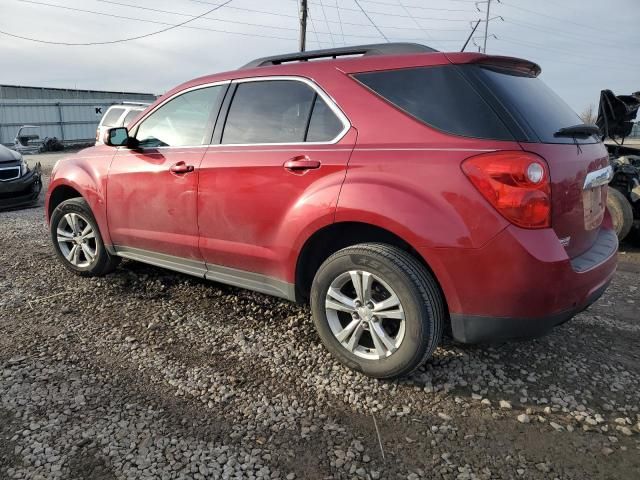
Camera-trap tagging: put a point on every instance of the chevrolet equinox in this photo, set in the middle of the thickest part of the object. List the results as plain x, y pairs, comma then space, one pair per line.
399, 190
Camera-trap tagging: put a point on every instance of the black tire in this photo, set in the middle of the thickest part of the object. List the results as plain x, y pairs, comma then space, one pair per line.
621, 212
419, 296
103, 262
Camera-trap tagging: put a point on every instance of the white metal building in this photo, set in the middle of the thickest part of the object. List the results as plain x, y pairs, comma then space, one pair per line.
70, 115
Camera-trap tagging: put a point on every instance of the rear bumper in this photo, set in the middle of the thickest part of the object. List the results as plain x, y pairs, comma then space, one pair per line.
478, 329
23, 191
521, 284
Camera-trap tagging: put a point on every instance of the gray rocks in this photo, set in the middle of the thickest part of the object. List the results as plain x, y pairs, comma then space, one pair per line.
155, 375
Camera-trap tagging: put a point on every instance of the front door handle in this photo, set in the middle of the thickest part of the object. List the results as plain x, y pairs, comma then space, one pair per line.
301, 164
181, 168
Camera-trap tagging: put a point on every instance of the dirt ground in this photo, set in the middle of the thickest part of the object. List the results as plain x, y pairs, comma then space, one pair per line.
151, 374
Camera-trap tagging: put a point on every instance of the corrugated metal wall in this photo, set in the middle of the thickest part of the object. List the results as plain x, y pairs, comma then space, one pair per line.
70, 115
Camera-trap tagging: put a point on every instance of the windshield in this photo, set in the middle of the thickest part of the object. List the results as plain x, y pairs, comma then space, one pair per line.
533, 104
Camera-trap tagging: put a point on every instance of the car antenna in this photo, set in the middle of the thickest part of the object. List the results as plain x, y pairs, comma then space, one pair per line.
470, 35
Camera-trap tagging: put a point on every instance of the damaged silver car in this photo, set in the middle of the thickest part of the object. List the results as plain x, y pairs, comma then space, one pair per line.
20, 185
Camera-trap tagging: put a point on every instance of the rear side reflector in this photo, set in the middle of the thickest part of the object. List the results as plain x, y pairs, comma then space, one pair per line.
515, 183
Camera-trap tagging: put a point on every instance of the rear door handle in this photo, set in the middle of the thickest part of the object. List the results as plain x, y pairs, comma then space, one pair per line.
301, 163
181, 168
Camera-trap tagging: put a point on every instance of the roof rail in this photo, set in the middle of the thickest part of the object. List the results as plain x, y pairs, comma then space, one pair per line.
373, 49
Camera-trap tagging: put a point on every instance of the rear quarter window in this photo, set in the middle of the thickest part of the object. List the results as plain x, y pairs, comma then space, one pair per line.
440, 97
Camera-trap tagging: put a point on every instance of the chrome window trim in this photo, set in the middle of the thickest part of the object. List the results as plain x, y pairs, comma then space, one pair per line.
346, 125
167, 100
18, 168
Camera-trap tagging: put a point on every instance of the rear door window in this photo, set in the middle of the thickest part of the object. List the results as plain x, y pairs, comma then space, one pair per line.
269, 111
111, 118
130, 116
439, 96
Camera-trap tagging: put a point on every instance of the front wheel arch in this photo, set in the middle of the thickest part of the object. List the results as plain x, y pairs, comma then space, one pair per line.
60, 194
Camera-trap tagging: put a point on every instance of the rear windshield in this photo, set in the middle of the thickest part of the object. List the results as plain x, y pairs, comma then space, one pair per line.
439, 96
110, 118
130, 116
533, 104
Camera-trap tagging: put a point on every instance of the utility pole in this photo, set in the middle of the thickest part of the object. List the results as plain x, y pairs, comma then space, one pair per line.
486, 27
486, 21
303, 25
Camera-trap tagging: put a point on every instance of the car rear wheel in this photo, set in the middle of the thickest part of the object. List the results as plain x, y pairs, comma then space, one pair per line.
77, 240
621, 212
377, 309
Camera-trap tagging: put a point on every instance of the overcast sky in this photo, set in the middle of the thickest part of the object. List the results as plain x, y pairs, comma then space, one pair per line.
583, 46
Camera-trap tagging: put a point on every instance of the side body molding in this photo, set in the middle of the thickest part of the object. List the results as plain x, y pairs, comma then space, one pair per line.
217, 273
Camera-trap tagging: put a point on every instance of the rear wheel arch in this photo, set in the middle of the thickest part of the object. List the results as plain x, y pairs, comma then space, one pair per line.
328, 240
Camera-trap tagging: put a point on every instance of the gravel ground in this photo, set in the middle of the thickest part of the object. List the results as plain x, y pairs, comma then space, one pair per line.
150, 374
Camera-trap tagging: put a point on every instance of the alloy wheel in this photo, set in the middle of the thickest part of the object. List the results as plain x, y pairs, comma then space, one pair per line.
365, 315
77, 240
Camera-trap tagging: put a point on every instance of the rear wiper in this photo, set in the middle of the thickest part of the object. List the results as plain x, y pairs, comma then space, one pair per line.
583, 130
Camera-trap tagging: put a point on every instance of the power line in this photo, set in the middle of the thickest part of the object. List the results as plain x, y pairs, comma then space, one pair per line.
155, 21
389, 14
170, 12
563, 20
372, 22
324, 14
596, 64
560, 50
313, 28
564, 33
215, 30
355, 24
340, 21
414, 20
138, 37
415, 6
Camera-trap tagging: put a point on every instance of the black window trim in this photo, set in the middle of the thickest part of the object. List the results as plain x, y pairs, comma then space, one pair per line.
210, 124
222, 118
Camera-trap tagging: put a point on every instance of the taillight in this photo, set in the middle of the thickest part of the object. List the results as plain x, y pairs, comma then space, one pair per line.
515, 183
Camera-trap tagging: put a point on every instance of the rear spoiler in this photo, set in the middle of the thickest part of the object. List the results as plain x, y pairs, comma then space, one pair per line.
519, 65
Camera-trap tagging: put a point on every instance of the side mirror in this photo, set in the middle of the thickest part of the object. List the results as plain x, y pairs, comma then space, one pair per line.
116, 137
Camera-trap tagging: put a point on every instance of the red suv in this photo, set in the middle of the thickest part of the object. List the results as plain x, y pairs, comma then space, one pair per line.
398, 189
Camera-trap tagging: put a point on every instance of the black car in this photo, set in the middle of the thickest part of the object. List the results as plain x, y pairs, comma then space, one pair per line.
19, 184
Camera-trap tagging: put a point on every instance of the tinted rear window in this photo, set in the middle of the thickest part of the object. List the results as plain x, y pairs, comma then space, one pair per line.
130, 116
270, 111
323, 125
110, 119
532, 103
440, 97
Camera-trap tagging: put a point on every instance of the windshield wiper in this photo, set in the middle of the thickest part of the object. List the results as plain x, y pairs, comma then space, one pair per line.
583, 130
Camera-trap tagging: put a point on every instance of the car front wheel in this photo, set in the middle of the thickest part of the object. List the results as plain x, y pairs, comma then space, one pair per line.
377, 309
77, 240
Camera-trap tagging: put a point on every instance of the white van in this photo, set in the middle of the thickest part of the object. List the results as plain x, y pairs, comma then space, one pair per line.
119, 115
